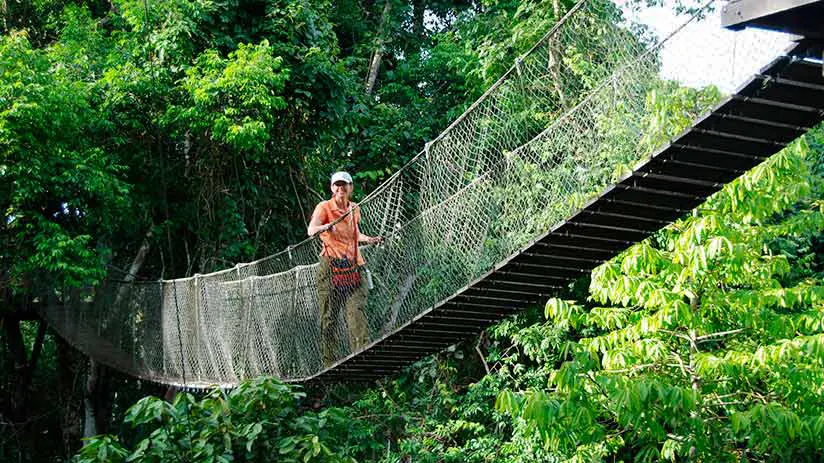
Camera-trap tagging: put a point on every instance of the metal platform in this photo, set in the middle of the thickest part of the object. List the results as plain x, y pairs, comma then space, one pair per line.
800, 17
774, 108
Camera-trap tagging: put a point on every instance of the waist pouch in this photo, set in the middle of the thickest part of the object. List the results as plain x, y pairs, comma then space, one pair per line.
345, 274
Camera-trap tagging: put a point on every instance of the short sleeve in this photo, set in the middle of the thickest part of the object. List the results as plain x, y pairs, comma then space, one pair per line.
320, 213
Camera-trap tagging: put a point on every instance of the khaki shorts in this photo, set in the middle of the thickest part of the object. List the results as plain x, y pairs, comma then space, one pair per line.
337, 341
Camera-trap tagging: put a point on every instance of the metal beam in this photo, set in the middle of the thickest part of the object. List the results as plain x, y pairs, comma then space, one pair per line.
799, 17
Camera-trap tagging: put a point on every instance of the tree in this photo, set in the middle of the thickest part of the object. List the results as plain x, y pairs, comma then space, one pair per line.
710, 343
259, 421
145, 140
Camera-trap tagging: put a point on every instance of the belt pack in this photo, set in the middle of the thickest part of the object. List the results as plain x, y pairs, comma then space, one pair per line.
345, 274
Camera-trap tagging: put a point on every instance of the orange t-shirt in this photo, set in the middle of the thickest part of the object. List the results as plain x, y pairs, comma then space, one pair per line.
343, 240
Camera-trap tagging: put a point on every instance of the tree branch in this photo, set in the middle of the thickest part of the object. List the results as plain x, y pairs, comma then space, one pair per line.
481, 355
633, 368
377, 55
720, 334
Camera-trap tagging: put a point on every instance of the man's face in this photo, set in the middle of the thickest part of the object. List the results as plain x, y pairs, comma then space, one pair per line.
341, 190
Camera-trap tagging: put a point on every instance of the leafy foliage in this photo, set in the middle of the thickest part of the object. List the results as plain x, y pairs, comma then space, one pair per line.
259, 421
703, 342
216, 122
59, 192
190, 135
708, 345
209, 129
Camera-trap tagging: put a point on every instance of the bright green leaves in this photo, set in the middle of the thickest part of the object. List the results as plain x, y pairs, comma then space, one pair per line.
765, 359
644, 259
59, 189
103, 449
173, 29
563, 312
235, 100
57, 252
714, 347
509, 402
769, 188
259, 421
670, 109
609, 318
149, 410
774, 429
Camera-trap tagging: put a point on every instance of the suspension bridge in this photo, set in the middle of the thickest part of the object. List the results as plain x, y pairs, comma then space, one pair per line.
575, 154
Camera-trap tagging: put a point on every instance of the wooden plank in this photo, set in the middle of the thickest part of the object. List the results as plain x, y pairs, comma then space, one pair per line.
641, 210
712, 140
598, 250
770, 111
537, 288
801, 17
472, 292
712, 158
675, 184
801, 71
489, 300
630, 191
770, 94
541, 272
697, 171
788, 92
579, 239
533, 279
744, 126
601, 231
544, 260
619, 220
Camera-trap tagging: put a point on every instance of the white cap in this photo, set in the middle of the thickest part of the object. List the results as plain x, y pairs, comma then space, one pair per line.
341, 176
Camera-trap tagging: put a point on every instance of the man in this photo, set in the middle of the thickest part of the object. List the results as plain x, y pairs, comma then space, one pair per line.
342, 283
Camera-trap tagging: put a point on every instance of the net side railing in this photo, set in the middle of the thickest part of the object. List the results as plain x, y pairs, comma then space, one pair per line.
582, 107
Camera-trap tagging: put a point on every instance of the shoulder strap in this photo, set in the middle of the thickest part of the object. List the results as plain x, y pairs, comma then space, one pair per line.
325, 206
356, 222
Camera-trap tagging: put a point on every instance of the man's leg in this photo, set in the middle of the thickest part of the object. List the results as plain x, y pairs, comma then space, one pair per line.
328, 314
355, 315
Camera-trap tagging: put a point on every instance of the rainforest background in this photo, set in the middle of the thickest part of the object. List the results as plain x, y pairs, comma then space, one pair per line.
157, 139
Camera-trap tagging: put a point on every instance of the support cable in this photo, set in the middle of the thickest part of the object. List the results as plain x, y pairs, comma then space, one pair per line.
182, 362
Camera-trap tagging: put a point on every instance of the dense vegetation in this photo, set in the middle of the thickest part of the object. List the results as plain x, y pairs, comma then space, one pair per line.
703, 343
149, 139
154, 139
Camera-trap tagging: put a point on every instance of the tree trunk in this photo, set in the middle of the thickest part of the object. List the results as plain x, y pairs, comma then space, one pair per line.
137, 264
417, 18
92, 402
4, 11
140, 258
17, 353
395, 308
554, 61
24, 364
377, 56
26, 375
89, 408
67, 393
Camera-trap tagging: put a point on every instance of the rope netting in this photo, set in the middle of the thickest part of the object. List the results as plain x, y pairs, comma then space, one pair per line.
593, 97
